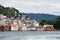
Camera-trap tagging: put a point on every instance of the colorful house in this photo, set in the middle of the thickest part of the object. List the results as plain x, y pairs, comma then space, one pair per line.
48, 28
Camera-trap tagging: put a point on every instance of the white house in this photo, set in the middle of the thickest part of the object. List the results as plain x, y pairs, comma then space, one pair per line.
35, 23
14, 26
2, 16
48, 28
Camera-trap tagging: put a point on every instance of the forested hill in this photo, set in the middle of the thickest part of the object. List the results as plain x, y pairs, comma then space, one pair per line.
41, 16
10, 12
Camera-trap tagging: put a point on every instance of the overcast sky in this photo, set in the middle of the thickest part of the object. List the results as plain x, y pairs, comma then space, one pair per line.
34, 6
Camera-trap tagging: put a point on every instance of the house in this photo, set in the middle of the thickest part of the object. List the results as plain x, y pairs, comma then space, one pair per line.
2, 22
1, 28
7, 28
14, 24
2, 16
32, 24
48, 27
19, 28
35, 23
39, 28
21, 25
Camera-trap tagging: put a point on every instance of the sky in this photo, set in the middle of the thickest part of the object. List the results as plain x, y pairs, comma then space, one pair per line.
34, 6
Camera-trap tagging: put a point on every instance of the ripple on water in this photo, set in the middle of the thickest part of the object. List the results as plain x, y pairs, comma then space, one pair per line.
32, 38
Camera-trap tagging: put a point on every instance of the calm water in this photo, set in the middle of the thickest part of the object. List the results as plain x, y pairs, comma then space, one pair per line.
30, 35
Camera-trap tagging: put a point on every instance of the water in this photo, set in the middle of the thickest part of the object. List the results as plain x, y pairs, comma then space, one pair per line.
30, 35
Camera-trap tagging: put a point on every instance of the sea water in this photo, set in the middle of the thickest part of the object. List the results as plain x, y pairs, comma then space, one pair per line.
30, 35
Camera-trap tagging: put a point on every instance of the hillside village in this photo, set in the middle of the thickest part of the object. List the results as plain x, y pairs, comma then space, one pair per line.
13, 19
23, 24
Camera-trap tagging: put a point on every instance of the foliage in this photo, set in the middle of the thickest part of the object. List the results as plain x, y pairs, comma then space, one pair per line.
55, 22
10, 12
43, 22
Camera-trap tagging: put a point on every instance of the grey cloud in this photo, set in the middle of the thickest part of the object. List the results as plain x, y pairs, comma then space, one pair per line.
44, 6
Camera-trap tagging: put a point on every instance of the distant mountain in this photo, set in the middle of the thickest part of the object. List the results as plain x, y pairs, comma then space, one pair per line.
38, 16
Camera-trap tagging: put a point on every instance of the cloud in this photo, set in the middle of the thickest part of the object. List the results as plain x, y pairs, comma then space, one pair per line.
35, 6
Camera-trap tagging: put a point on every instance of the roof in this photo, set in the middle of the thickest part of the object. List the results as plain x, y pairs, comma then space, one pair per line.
47, 25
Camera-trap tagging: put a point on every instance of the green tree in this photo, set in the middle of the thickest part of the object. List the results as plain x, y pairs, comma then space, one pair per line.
43, 22
57, 23
11, 12
2, 10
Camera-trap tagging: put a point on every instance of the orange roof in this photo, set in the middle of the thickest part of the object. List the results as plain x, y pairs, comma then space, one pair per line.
14, 25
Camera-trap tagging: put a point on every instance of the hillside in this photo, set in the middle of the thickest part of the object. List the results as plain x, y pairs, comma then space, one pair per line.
41, 16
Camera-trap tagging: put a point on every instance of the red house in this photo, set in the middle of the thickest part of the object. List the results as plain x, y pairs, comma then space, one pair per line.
48, 28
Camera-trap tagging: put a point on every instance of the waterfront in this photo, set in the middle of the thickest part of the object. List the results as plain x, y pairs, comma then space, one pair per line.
30, 35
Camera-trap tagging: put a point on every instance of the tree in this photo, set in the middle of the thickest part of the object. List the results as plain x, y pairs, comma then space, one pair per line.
57, 23
2, 10
11, 12
43, 22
